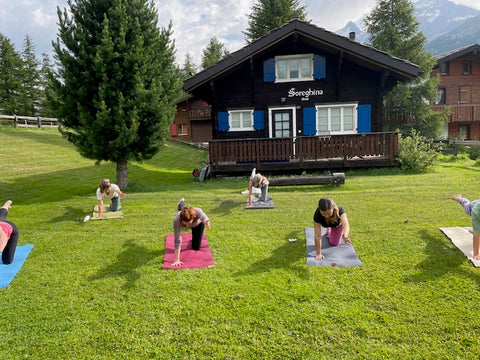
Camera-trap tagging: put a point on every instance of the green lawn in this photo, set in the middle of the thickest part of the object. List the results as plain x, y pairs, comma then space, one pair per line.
96, 290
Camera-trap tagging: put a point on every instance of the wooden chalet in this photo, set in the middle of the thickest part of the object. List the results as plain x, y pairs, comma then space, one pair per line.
193, 120
300, 98
459, 89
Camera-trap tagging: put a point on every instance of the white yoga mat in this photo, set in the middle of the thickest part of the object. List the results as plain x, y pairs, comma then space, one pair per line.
462, 238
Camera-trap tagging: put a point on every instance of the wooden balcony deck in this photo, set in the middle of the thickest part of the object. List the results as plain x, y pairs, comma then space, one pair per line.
305, 153
461, 112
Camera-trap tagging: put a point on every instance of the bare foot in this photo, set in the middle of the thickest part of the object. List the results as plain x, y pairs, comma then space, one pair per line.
7, 204
456, 197
477, 257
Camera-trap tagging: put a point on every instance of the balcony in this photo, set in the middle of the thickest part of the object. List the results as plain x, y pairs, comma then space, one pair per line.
461, 112
199, 114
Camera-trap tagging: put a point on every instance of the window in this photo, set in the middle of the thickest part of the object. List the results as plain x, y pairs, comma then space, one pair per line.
240, 120
464, 132
440, 96
294, 68
444, 68
181, 129
337, 118
467, 67
464, 96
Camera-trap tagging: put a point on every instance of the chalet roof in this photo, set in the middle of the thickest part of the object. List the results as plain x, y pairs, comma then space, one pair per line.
453, 54
332, 43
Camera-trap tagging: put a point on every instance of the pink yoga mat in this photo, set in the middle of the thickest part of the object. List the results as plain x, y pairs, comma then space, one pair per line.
191, 259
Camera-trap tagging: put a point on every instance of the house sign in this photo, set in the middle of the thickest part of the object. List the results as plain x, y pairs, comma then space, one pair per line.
304, 94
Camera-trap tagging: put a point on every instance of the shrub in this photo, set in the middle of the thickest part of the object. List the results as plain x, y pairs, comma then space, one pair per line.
415, 153
474, 152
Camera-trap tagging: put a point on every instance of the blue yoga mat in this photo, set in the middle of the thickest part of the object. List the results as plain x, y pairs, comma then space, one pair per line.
341, 255
8, 272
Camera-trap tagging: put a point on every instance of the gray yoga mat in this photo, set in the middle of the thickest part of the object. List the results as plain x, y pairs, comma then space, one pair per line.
258, 204
341, 255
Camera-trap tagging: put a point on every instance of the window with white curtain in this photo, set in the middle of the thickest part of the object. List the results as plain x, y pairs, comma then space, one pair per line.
337, 119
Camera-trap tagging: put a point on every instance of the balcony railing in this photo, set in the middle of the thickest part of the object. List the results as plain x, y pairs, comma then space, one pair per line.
304, 149
199, 114
461, 112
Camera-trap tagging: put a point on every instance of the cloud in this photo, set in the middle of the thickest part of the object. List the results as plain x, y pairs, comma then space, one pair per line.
194, 22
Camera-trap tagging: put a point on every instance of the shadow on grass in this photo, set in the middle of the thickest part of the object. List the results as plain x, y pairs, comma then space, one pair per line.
284, 257
440, 261
83, 182
127, 264
224, 207
70, 214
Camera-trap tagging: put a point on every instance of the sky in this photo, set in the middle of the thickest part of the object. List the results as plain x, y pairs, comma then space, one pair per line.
194, 22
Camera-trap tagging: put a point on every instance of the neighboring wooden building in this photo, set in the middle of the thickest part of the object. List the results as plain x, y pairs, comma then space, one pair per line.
193, 121
459, 89
297, 81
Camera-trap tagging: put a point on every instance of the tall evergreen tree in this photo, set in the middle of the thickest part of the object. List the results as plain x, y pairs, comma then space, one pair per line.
270, 14
213, 53
10, 77
31, 91
189, 68
116, 80
394, 29
47, 96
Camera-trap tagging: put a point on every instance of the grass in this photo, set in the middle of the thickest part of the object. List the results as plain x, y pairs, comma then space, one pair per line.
96, 290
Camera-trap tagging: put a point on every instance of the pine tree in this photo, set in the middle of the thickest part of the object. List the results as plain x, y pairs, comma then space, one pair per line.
10, 80
270, 14
31, 92
213, 53
393, 28
189, 68
116, 80
47, 96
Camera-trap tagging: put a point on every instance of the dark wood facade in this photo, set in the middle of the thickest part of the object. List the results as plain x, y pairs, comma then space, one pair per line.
459, 89
298, 81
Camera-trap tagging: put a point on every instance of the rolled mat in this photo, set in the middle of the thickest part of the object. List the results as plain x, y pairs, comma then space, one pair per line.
8, 272
191, 259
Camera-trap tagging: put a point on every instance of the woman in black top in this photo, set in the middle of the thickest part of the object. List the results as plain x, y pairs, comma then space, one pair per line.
334, 218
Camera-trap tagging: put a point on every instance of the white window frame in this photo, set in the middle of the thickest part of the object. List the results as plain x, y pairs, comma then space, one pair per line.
342, 106
270, 119
287, 58
241, 128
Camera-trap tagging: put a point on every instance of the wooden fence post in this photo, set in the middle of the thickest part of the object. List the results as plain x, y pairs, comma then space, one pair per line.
15, 120
39, 122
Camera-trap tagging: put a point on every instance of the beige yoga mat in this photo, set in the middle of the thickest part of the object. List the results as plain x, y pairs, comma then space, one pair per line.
462, 238
107, 213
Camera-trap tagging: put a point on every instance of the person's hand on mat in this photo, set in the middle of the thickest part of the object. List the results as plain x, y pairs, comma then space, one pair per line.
207, 224
319, 257
347, 240
177, 263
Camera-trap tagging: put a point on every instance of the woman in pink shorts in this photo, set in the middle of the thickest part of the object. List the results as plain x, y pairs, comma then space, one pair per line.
334, 218
8, 235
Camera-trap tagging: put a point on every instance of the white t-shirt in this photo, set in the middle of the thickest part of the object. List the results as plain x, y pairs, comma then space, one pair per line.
112, 194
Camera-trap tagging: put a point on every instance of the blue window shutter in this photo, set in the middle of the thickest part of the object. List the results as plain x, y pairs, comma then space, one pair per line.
319, 67
223, 124
269, 70
364, 113
258, 120
309, 121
